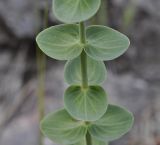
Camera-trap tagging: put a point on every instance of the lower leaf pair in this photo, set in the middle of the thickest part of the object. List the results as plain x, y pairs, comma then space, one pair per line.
62, 128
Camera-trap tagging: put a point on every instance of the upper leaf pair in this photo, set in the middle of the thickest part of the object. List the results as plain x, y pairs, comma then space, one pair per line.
62, 128
62, 42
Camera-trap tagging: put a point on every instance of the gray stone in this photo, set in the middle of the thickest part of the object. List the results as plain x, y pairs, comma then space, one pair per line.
20, 16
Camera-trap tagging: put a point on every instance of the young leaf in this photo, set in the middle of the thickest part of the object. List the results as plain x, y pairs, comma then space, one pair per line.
115, 122
71, 11
96, 71
62, 128
60, 42
105, 43
86, 104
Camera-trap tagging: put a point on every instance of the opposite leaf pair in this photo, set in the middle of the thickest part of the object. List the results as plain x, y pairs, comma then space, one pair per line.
64, 129
62, 42
96, 71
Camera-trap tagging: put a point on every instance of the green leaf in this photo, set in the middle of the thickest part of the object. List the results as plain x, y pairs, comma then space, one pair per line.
62, 128
85, 104
96, 71
115, 122
71, 11
60, 42
105, 43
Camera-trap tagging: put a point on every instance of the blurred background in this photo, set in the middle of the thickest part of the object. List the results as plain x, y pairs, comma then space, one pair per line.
133, 79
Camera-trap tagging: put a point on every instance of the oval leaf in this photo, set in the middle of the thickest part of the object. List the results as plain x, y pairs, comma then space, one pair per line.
115, 122
105, 43
62, 128
71, 11
85, 104
60, 42
96, 71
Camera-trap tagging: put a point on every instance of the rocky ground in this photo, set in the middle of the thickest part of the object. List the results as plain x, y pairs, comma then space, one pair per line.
133, 80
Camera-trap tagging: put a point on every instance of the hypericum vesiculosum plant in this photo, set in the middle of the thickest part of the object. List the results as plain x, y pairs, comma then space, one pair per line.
87, 118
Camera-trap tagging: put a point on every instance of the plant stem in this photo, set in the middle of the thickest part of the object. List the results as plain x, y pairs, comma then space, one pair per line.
84, 70
41, 62
82, 32
83, 56
41, 66
88, 139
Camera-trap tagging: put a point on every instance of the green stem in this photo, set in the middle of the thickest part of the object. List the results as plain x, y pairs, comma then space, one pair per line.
41, 66
84, 70
82, 32
88, 139
41, 62
83, 56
